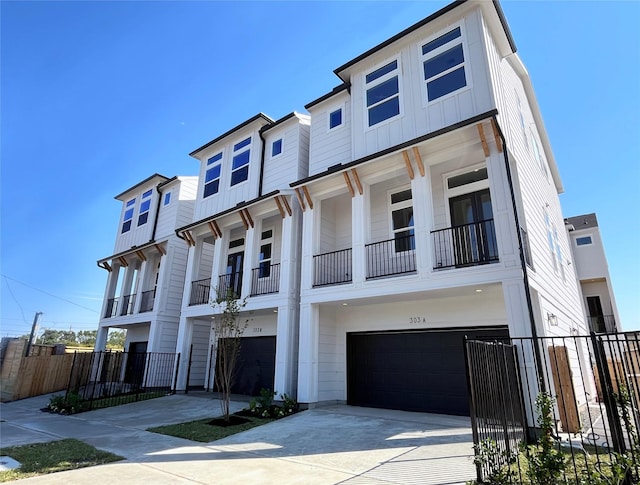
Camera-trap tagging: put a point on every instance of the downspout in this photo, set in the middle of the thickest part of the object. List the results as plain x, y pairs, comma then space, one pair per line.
155, 221
261, 161
523, 262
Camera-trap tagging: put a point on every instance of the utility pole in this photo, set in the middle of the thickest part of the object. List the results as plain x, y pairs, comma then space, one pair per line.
33, 332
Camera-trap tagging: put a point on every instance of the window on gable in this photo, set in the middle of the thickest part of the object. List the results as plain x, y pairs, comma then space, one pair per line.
401, 204
444, 64
240, 162
276, 147
128, 215
583, 241
167, 198
335, 118
144, 207
383, 93
212, 175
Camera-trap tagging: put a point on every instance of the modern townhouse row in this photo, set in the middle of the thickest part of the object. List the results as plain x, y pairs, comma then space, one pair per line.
413, 204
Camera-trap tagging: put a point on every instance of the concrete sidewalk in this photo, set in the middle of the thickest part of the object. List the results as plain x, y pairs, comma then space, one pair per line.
329, 445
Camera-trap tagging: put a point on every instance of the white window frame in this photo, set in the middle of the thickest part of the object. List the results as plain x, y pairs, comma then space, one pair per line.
332, 110
550, 239
210, 166
263, 242
130, 205
590, 236
463, 189
462, 40
369, 85
146, 197
391, 207
166, 200
236, 153
281, 139
538, 154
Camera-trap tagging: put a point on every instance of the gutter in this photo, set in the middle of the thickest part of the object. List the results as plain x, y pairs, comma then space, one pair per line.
155, 219
523, 263
261, 162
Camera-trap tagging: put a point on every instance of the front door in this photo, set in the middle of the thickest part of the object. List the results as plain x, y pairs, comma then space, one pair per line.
136, 357
474, 238
234, 273
596, 315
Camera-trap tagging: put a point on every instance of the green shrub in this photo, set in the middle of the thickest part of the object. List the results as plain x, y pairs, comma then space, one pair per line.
70, 404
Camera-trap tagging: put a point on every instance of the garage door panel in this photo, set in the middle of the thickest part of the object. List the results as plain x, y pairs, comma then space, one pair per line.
413, 371
256, 365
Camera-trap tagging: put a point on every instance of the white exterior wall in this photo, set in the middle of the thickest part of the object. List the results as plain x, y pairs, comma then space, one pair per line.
137, 235
330, 147
293, 161
590, 259
179, 211
136, 333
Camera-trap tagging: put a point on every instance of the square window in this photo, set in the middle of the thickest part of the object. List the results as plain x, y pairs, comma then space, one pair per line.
335, 118
276, 147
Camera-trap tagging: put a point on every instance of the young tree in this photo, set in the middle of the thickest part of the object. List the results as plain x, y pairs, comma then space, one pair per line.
228, 329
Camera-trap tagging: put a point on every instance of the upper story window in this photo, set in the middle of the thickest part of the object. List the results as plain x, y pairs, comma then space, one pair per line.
583, 241
266, 245
240, 163
128, 215
212, 175
550, 239
144, 207
276, 147
383, 93
537, 154
167, 198
444, 64
401, 206
335, 119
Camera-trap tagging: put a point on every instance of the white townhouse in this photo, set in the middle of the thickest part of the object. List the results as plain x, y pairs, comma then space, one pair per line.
593, 273
245, 238
430, 212
146, 272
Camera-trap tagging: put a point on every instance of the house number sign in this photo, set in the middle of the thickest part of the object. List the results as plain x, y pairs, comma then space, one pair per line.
416, 320
257, 329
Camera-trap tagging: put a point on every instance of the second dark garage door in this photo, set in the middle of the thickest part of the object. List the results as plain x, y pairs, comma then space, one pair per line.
256, 366
413, 371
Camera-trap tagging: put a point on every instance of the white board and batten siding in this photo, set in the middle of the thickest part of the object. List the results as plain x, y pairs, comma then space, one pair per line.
293, 162
179, 211
137, 235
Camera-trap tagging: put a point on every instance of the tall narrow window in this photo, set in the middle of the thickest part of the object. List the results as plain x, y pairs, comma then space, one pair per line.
537, 154
145, 205
167, 198
550, 240
240, 163
266, 245
128, 215
335, 118
444, 64
559, 253
383, 93
276, 147
401, 204
212, 175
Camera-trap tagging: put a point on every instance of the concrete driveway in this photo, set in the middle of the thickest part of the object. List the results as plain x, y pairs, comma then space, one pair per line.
327, 445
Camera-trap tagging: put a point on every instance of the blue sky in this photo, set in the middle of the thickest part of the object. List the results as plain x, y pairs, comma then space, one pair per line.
96, 96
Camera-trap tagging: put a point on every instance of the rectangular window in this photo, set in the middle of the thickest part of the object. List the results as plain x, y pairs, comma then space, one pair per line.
552, 249
583, 241
212, 175
537, 154
335, 118
144, 207
444, 64
401, 204
276, 147
383, 93
240, 162
265, 254
167, 198
128, 215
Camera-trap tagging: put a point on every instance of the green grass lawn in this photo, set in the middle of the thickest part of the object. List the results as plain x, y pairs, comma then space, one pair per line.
201, 431
55, 456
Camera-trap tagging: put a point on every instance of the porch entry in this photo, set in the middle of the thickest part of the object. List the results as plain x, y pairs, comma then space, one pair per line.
234, 273
473, 230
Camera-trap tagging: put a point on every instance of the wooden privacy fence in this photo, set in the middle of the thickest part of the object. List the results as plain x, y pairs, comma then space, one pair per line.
24, 377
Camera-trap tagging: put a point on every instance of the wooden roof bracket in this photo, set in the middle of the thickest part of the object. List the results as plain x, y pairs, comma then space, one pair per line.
105, 265
356, 177
217, 228
244, 220
418, 157
213, 230
349, 184
485, 146
307, 196
279, 204
123, 261
300, 199
249, 218
496, 135
190, 239
160, 249
286, 205
141, 255
407, 162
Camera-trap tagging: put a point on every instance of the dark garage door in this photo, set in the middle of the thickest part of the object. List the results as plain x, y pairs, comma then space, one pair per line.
256, 365
413, 371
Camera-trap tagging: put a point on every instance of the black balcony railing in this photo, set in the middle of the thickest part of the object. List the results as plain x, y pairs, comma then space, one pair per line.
465, 245
112, 308
332, 268
265, 279
146, 300
391, 257
230, 284
200, 291
602, 323
128, 302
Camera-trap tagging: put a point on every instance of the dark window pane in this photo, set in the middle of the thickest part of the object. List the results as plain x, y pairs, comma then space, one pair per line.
144, 207
266, 234
401, 196
147, 194
582, 241
402, 218
384, 111
240, 175
265, 270
382, 71
142, 218
444, 61
236, 243
212, 173
214, 158
211, 188
382, 91
131, 202
128, 214
126, 226
265, 251
404, 241
167, 198
276, 148
442, 40
240, 160
467, 178
335, 118
242, 144
446, 84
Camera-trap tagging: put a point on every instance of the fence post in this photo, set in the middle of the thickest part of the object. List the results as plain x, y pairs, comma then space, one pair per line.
186, 387
472, 410
175, 377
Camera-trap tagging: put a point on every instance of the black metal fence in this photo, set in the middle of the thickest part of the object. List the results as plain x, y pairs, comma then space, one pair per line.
112, 308
465, 245
593, 384
146, 300
104, 379
265, 279
200, 292
391, 257
332, 268
229, 284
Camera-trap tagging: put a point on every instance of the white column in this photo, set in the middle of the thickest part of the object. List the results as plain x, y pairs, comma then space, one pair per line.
285, 349
308, 246
142, 278
359, 230
308, 354
192, 260
289, 251
101, 339
110, 290
185, 333
422, 213
220, 250
250, 257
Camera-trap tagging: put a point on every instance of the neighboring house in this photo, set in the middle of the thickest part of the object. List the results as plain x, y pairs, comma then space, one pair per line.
430, 212
146, 271
593, 273
246, 240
